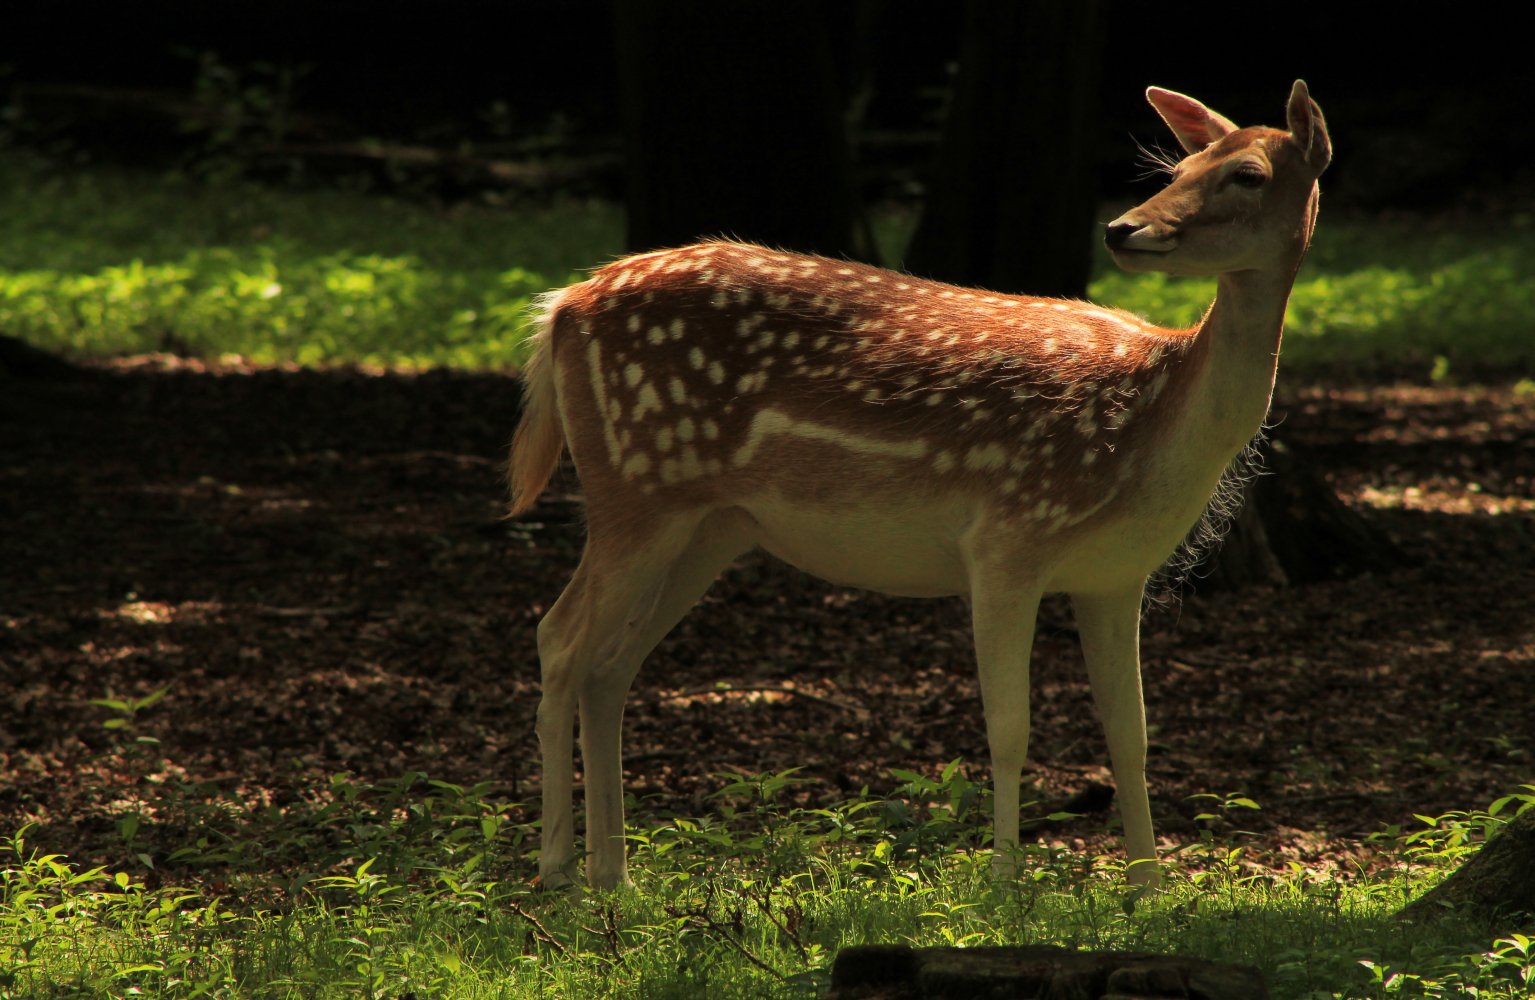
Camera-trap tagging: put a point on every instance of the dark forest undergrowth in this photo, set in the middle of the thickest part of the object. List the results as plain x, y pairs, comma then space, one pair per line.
314, 566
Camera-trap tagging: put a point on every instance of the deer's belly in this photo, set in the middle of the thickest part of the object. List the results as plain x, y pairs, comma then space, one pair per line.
894, 552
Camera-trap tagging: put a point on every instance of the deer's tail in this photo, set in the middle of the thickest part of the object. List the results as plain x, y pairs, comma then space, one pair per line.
540, 438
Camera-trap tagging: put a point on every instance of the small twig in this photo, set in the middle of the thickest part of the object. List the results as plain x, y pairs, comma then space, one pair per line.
841, 706
719, 931
539, 929
451, 456
725, 936
610, 926
765, 904
698, 918
340, 610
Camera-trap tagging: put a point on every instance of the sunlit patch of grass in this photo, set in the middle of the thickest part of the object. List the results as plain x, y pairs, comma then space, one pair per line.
100, 262
420, 887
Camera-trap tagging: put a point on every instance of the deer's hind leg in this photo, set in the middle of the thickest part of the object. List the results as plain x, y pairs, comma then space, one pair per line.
623, 599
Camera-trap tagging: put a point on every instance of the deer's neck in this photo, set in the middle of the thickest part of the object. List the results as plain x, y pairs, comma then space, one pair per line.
1239, 340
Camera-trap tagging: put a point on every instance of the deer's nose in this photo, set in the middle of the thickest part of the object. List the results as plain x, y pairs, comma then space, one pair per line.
1119, 231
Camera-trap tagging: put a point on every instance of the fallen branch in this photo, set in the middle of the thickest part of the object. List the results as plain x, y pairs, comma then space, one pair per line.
842, 706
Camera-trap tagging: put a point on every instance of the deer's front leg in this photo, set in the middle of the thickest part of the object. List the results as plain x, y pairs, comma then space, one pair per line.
1109, 625
1003, 618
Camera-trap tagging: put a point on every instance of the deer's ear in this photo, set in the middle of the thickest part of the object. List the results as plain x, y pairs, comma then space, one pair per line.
1195, 125
1308, 127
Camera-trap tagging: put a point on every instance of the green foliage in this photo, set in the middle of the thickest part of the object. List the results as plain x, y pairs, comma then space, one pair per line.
99, 262
425, 888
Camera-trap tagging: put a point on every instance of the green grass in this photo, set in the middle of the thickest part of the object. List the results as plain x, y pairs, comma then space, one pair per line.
100, 262
423, 888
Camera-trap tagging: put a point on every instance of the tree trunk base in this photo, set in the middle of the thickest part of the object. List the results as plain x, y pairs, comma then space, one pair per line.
1293, 529
1495, 887
20, 360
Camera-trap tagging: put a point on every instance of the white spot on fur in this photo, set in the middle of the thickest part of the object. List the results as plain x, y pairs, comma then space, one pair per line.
600, 394
636, 465
632, 375
691, 467
751, 383
646, 401
984, 457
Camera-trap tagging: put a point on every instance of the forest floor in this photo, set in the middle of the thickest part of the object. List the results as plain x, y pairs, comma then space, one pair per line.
315, 565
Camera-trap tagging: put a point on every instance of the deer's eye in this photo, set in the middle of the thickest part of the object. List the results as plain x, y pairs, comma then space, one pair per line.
1249, 175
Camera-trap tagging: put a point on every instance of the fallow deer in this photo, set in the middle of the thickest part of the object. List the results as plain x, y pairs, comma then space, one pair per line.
897, 434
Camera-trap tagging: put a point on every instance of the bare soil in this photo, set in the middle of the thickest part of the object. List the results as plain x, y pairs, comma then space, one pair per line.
316, 565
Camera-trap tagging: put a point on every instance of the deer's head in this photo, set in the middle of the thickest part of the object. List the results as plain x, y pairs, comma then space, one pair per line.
1242, 199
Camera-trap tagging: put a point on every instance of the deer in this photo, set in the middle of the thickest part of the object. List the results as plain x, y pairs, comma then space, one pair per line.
901, 435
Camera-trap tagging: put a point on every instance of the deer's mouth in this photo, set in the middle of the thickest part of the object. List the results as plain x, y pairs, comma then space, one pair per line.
1129, 236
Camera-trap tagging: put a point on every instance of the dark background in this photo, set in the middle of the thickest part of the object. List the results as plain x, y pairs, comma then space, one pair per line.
1430, 104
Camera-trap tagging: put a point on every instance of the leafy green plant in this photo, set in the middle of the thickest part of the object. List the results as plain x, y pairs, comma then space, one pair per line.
450, 908
127, 710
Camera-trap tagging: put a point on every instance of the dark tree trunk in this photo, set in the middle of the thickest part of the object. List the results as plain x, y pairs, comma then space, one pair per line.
1013, 194
1495, 887
1293, 529
733, 126
20, 360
